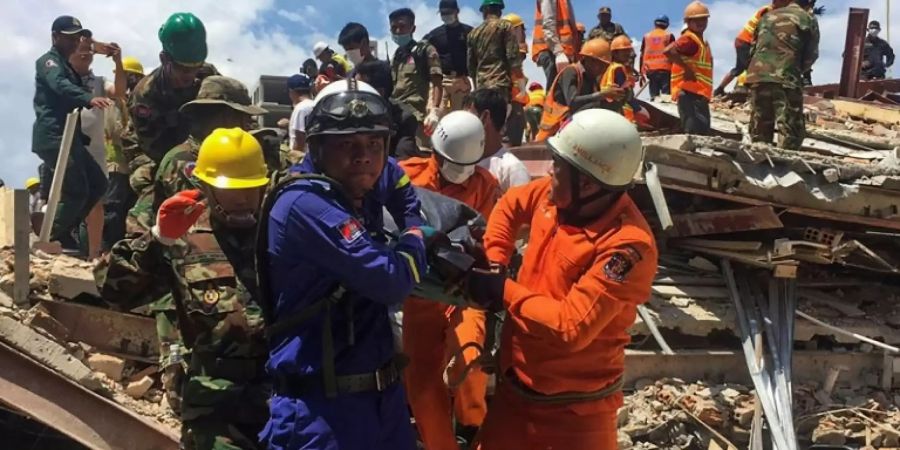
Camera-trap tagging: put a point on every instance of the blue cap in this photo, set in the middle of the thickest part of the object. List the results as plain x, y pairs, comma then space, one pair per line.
299, 81
662, 19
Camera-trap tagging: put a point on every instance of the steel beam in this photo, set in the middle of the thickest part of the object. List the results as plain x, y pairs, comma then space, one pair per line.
831, 90
123, 334
853, 52
84, 416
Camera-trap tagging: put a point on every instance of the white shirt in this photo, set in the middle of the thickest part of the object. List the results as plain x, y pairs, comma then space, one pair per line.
92, 120
507, 169
298, 118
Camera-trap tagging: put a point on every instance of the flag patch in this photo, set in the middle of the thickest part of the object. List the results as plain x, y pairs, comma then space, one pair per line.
350, 230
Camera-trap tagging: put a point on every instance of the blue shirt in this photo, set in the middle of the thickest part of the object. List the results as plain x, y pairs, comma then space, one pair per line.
315, 243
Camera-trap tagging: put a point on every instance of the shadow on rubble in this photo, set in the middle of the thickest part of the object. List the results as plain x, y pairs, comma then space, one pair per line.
21, 432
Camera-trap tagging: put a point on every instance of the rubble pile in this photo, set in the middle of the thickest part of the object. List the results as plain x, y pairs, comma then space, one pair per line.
671, 414
130, 380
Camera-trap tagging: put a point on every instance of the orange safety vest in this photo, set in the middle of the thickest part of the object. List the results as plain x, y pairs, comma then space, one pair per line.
654, 56
609, 80
566, 29
749, 31
702, 63
554, 112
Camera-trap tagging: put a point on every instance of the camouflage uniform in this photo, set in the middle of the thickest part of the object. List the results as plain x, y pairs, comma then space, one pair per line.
156, 127
609, 32
212, 277
786, 46
175, 175
412, 69
493, 55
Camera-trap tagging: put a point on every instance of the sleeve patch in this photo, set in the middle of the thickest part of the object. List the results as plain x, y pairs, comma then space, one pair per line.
189, 169
49, 64
350, 230
142, 111
621, 263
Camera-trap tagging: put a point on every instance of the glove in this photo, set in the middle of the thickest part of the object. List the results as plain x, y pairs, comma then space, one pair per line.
431, 121
561, 62
484, 288
177, 215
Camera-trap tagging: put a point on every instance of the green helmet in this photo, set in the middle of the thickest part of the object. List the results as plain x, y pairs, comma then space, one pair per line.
183, 37
486, 3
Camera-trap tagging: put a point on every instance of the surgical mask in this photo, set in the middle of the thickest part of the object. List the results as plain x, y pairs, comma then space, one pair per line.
355, 56
449, 19
456, 173
402, 39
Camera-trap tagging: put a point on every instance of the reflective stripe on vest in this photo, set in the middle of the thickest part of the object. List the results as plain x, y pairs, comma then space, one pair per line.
655, 43
702, 64
564, 29
554, 112
749, 31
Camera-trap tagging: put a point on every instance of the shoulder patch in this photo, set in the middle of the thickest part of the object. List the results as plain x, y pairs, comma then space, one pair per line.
50, 63
621, 263
189, 169
142, 111
350, 230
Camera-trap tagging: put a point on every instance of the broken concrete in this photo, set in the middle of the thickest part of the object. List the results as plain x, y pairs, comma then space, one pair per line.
137, 389
72, 277
48, 352
111, 366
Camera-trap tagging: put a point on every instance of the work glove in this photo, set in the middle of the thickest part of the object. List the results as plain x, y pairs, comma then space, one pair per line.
177, 215
431, 121
561, 62
484, 288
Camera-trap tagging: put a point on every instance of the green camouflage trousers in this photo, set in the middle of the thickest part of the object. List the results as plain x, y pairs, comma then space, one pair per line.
772, 104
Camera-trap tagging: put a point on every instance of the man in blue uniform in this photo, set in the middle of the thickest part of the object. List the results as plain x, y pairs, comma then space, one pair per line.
330, 279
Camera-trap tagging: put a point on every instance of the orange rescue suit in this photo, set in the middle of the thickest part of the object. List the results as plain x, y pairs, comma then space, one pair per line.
576, 294
702, 63
432, 332
566, 30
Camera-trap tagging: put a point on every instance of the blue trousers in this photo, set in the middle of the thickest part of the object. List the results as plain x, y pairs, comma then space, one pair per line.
364, 421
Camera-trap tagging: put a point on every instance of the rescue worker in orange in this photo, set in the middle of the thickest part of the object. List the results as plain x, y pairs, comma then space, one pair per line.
578, 87
743, 43
590, 262
621, 74
556, 41
434, 332
692, 71
656, 69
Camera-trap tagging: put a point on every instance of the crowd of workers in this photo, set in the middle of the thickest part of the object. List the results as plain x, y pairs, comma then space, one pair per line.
290, 316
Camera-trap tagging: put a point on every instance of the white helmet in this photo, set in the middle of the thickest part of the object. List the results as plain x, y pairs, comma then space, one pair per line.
342, 86
459, 138
319, 48
602, 144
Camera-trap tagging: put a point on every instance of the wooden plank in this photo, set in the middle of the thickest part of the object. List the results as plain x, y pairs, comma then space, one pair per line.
22, 240
109, 331
668, 291
7, 213
880, 113
727, 221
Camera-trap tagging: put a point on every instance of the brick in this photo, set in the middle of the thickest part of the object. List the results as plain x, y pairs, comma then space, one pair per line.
108, 365
138, 388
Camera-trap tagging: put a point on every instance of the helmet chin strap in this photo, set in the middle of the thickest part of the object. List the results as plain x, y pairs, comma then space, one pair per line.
232, 220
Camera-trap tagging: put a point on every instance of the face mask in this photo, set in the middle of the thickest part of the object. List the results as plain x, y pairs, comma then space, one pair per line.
355, 56
874, 33
449, 19
455, 173
402, 39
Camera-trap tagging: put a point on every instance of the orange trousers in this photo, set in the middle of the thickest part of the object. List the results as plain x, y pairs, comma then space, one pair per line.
431, 337
516, 423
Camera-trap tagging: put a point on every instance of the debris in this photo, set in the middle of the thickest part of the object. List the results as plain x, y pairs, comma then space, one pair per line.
138, 388
109, 365
71, 277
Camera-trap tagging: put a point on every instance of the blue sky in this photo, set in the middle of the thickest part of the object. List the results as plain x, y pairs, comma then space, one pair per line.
252, 37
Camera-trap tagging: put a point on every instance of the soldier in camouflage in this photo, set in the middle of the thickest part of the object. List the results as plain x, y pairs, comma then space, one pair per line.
606, 29
156, 123
205, 257
416, 71
221, 103
786, 46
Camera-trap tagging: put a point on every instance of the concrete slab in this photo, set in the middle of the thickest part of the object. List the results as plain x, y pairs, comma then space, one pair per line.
70, 277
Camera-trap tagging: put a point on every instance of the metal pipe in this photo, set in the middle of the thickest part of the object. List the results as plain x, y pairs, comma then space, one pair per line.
856, 336
59, 174
651, 177
651, 325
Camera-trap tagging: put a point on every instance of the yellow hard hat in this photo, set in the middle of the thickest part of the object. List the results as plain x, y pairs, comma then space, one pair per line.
131, 64
597, 48
32, 182
231, 159
696, 10
514, 19
621, 43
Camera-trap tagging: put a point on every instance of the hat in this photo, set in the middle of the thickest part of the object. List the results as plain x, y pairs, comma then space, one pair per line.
448, 5
219, 90
319, 48
874, 25
69, 25
299, 81
605, 10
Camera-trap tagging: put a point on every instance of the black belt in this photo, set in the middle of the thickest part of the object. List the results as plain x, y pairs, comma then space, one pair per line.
377, 381
232, 369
